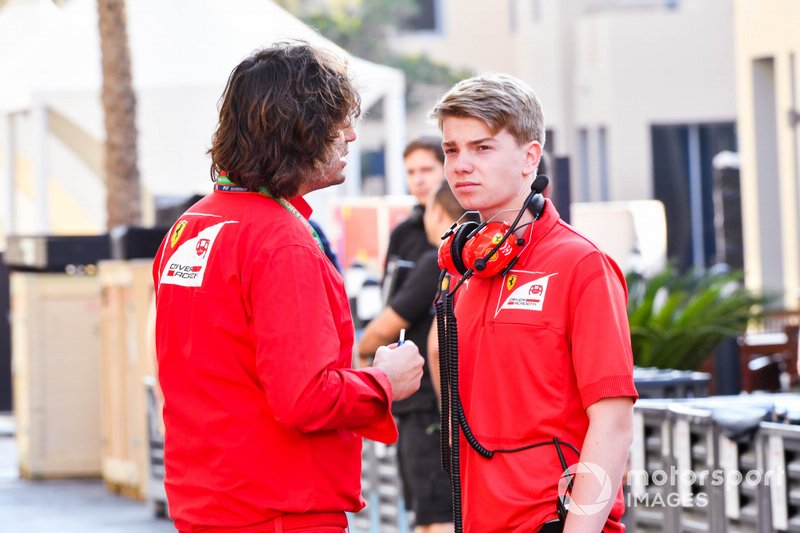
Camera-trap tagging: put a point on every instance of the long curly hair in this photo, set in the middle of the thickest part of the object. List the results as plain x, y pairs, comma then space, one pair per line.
282, 109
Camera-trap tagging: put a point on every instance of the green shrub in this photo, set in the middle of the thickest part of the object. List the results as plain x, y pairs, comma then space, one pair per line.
676, 320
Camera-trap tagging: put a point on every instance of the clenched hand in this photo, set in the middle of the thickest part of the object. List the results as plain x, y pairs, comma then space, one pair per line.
403, 366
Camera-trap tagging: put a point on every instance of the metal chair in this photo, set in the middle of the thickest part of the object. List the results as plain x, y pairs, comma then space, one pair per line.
768, 352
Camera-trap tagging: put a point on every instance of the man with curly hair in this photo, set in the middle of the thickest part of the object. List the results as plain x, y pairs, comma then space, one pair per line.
264, 415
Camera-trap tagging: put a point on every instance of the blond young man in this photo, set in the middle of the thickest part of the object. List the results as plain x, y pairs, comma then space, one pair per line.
544, 347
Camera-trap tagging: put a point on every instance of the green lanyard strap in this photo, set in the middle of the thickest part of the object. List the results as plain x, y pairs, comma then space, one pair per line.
225, 184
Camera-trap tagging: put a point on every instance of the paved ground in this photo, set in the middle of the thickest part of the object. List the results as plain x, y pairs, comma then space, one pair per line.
64, 506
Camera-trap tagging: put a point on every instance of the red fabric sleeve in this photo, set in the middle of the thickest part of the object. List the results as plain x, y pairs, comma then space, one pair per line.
599, 331
304, 343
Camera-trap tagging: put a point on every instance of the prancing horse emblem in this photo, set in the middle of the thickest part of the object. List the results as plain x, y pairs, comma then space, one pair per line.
177, 232
511, 281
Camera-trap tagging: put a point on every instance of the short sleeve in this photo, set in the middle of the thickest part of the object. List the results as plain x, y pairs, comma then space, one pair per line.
599, 331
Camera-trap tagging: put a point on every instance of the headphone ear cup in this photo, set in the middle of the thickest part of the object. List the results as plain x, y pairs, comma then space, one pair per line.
478, 255
458, 242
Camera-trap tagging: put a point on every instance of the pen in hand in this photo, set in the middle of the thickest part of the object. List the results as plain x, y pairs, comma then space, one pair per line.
402, 337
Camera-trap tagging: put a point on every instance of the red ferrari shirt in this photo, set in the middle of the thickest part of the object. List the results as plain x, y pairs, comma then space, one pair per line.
536, 348
263, 413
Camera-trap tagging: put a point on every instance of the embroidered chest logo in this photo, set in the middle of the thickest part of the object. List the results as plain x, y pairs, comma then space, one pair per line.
177, 232
187, 266
518, 293
202, 247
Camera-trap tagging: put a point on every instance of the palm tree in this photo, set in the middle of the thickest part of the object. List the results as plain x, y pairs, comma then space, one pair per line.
123, 201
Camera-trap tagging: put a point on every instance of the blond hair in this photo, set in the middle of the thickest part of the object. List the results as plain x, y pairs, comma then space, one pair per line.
500, 101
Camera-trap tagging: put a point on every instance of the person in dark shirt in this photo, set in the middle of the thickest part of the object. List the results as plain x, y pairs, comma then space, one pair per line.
424, 162
425, 484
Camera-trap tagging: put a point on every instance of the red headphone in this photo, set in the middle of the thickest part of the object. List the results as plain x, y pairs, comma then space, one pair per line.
484, 250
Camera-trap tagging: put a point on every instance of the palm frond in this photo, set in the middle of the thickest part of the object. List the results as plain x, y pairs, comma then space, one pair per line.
676, 320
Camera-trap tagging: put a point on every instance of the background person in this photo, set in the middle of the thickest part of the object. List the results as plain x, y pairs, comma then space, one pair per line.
264, 416
424, 162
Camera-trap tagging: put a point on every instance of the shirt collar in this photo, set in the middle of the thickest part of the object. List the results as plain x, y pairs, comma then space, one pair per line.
546, 222
302, 206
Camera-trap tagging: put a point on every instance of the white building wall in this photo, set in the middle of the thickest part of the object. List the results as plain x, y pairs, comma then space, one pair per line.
649, 64
545, 59
767, 56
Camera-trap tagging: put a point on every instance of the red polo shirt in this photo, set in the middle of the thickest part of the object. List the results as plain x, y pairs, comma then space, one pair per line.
263, 413
536, 348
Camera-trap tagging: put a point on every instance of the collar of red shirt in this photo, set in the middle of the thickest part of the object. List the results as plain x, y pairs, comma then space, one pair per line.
545, 223
302, 206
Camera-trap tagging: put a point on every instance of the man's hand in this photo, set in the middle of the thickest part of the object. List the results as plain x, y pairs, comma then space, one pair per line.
403, 366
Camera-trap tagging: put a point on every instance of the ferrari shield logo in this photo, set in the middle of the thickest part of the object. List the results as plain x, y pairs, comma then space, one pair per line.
176, 233
512, 279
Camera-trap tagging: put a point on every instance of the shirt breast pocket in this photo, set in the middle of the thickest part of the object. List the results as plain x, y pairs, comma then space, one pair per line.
528, 318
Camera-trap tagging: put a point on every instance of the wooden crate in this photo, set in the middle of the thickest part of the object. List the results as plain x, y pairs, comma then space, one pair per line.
126, 289
55, 321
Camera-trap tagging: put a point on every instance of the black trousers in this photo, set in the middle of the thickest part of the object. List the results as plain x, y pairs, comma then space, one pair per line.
552, 527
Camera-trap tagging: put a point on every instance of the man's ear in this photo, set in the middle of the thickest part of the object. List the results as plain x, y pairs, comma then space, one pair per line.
533, 153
